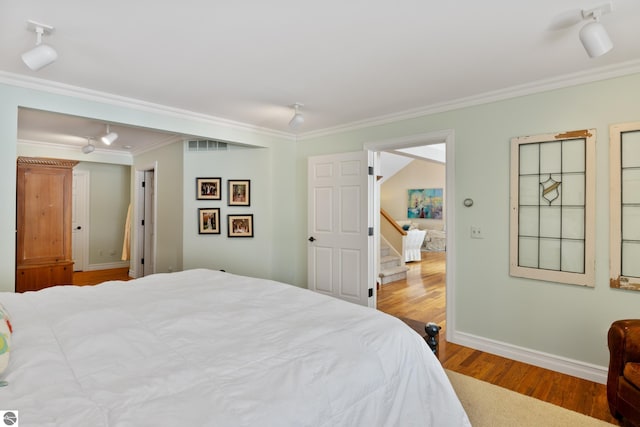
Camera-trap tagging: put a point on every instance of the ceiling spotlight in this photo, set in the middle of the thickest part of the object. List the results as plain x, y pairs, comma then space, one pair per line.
89, 147
593, 35
41, 55
297, 118
109, 137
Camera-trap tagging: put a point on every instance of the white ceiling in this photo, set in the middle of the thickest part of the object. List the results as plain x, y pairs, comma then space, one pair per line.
348, 62
393, 161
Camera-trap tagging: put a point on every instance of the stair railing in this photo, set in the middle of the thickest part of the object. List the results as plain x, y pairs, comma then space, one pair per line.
391, 231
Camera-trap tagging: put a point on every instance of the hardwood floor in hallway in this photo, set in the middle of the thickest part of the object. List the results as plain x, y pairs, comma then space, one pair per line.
423, 297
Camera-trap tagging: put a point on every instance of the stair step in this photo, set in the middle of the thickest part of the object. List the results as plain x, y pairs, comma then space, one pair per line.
392, 267
394, 270
393, 274
390, 262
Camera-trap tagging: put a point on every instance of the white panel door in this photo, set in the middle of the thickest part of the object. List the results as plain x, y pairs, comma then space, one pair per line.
80, 220
338, 224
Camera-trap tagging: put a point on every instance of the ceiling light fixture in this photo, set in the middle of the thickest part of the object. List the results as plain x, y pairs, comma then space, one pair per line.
297, 118
89, 148
109, 137
41, 55
593, 35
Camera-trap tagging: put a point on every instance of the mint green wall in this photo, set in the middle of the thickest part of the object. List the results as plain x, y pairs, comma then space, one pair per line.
564, 320
109, 200
12, 97
270, 253
168, 160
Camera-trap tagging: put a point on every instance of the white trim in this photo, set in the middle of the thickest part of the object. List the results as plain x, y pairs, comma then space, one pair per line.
616, 279
556, 363
106, 266
86, 218
121, 101
450, 224
73, 152
447, 137
574, 79
137, 243
587, 278
568, 80
372, 245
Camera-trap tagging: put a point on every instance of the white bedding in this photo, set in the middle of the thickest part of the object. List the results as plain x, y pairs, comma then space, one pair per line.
207, 348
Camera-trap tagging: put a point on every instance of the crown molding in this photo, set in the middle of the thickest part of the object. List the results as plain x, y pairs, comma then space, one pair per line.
568, 80
121, 101
68, 151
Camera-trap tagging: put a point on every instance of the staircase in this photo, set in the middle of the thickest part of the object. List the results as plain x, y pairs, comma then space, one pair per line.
392, 267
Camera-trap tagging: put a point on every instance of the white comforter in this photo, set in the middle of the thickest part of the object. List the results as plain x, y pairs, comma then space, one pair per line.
207, 348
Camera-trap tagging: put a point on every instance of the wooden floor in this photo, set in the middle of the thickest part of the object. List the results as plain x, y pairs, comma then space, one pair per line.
422, 297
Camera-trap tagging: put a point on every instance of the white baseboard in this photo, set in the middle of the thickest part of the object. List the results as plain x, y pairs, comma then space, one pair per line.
107, 266
556, 363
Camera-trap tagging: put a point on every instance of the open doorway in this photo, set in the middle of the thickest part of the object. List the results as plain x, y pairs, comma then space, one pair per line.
428, 292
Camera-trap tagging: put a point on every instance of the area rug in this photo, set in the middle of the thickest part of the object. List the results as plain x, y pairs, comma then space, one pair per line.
488, 405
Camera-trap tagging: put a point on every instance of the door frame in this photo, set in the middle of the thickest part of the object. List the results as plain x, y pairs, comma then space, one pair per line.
85, 195
447, 137
137, 243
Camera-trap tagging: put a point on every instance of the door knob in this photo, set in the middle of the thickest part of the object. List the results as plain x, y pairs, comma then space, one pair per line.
312, 239
79, 227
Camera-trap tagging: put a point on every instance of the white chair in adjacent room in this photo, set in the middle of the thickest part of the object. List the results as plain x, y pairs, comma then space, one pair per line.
411, 244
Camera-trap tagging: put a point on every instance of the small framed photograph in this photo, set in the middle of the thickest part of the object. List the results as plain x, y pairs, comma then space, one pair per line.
208, 188
209, 221
239, 192
240, 225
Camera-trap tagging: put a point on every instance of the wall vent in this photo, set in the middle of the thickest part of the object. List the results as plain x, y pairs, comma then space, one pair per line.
206, 145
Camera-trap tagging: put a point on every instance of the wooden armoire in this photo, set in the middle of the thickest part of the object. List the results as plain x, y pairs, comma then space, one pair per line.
43, 218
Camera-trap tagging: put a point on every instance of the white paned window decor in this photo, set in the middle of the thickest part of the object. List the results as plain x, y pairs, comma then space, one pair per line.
624, 154
552, 207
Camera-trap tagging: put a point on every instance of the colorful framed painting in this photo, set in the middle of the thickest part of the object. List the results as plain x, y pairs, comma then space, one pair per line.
208, 188
240, 225
425, 203
209, 221
239, 192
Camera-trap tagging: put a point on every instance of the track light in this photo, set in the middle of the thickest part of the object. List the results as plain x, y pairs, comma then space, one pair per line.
593, 35
109, 137
297, 118
89, 147
41, 55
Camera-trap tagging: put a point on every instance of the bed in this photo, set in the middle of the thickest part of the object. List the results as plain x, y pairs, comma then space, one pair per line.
208, 348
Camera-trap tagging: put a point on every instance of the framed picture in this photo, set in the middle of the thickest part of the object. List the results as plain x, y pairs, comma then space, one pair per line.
239, 192
425, 203
240, 225
208, 188
209, 221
